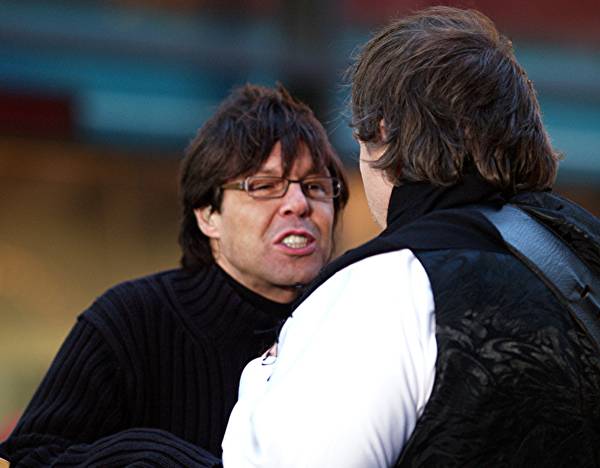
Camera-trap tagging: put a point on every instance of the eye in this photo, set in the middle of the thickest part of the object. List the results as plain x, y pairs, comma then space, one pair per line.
264, 184
318, 186
315, 186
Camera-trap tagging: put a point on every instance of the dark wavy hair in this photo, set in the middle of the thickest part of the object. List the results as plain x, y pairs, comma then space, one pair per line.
235, 142
451, 97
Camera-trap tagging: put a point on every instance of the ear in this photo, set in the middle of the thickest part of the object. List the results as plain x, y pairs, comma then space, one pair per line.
206, 217
383, 130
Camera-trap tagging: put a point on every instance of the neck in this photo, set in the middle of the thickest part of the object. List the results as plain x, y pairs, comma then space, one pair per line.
282, 294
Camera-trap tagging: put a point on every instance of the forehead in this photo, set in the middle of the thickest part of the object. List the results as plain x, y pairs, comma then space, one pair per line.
301, 162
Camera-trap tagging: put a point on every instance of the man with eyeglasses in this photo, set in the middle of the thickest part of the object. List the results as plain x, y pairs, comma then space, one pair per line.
149, 374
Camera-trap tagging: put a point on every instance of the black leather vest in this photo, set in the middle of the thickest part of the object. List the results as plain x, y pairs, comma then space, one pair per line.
517, 383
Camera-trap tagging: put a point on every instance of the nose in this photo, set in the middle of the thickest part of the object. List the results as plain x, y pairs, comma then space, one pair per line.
294, 201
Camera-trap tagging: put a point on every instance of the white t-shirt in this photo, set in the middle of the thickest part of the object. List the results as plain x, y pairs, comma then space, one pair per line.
355, 368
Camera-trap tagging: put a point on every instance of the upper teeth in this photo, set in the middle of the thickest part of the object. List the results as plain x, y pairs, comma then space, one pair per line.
295, 241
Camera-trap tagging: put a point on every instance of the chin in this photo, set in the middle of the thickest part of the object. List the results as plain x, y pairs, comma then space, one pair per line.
295, 277
308, 276
297, 270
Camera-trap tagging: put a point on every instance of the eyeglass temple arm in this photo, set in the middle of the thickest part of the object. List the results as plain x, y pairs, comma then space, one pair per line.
239, 185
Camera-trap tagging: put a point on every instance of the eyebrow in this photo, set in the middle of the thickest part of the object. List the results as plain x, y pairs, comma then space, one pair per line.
308, 175
313, 172
268, 172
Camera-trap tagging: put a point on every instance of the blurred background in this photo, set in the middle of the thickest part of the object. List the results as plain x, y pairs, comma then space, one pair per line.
98, 99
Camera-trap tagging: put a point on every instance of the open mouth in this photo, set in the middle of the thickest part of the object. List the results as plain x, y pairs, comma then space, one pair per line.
295, 241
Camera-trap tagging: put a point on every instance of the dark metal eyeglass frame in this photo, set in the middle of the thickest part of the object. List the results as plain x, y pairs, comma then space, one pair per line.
244, 185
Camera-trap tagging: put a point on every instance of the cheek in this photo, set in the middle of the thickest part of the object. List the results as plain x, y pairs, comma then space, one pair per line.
256, 217
362, 166
366, 174
323, 217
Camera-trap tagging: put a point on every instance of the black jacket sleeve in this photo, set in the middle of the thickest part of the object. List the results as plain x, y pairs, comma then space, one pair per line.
78, 416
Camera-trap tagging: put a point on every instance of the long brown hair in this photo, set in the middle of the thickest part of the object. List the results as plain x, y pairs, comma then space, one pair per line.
451, 98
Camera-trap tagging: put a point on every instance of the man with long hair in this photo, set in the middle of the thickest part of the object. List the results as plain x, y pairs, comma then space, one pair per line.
433, 344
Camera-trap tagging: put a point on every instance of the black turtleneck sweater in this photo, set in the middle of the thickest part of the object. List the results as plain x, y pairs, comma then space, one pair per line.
148, 375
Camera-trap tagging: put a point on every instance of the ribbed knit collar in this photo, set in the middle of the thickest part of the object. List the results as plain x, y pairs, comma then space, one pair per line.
208, 299
276, 309
413, 200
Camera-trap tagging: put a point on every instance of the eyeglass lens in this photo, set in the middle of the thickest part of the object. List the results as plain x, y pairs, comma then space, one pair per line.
271, 187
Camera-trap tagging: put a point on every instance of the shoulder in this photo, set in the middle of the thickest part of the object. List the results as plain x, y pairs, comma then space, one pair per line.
381, 275
382, 268
129, 300
168, 298
373, 299
136, 317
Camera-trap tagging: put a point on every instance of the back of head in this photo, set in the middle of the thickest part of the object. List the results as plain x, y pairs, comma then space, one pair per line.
452, 99
234, 143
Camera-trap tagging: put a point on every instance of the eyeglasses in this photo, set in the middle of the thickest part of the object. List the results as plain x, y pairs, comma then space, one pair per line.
262, 187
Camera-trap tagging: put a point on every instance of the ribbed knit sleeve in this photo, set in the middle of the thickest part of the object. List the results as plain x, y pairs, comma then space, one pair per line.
148, 376
76, 416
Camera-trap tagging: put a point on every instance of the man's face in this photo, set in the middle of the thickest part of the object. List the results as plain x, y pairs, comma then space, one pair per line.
378, 188
272, 245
